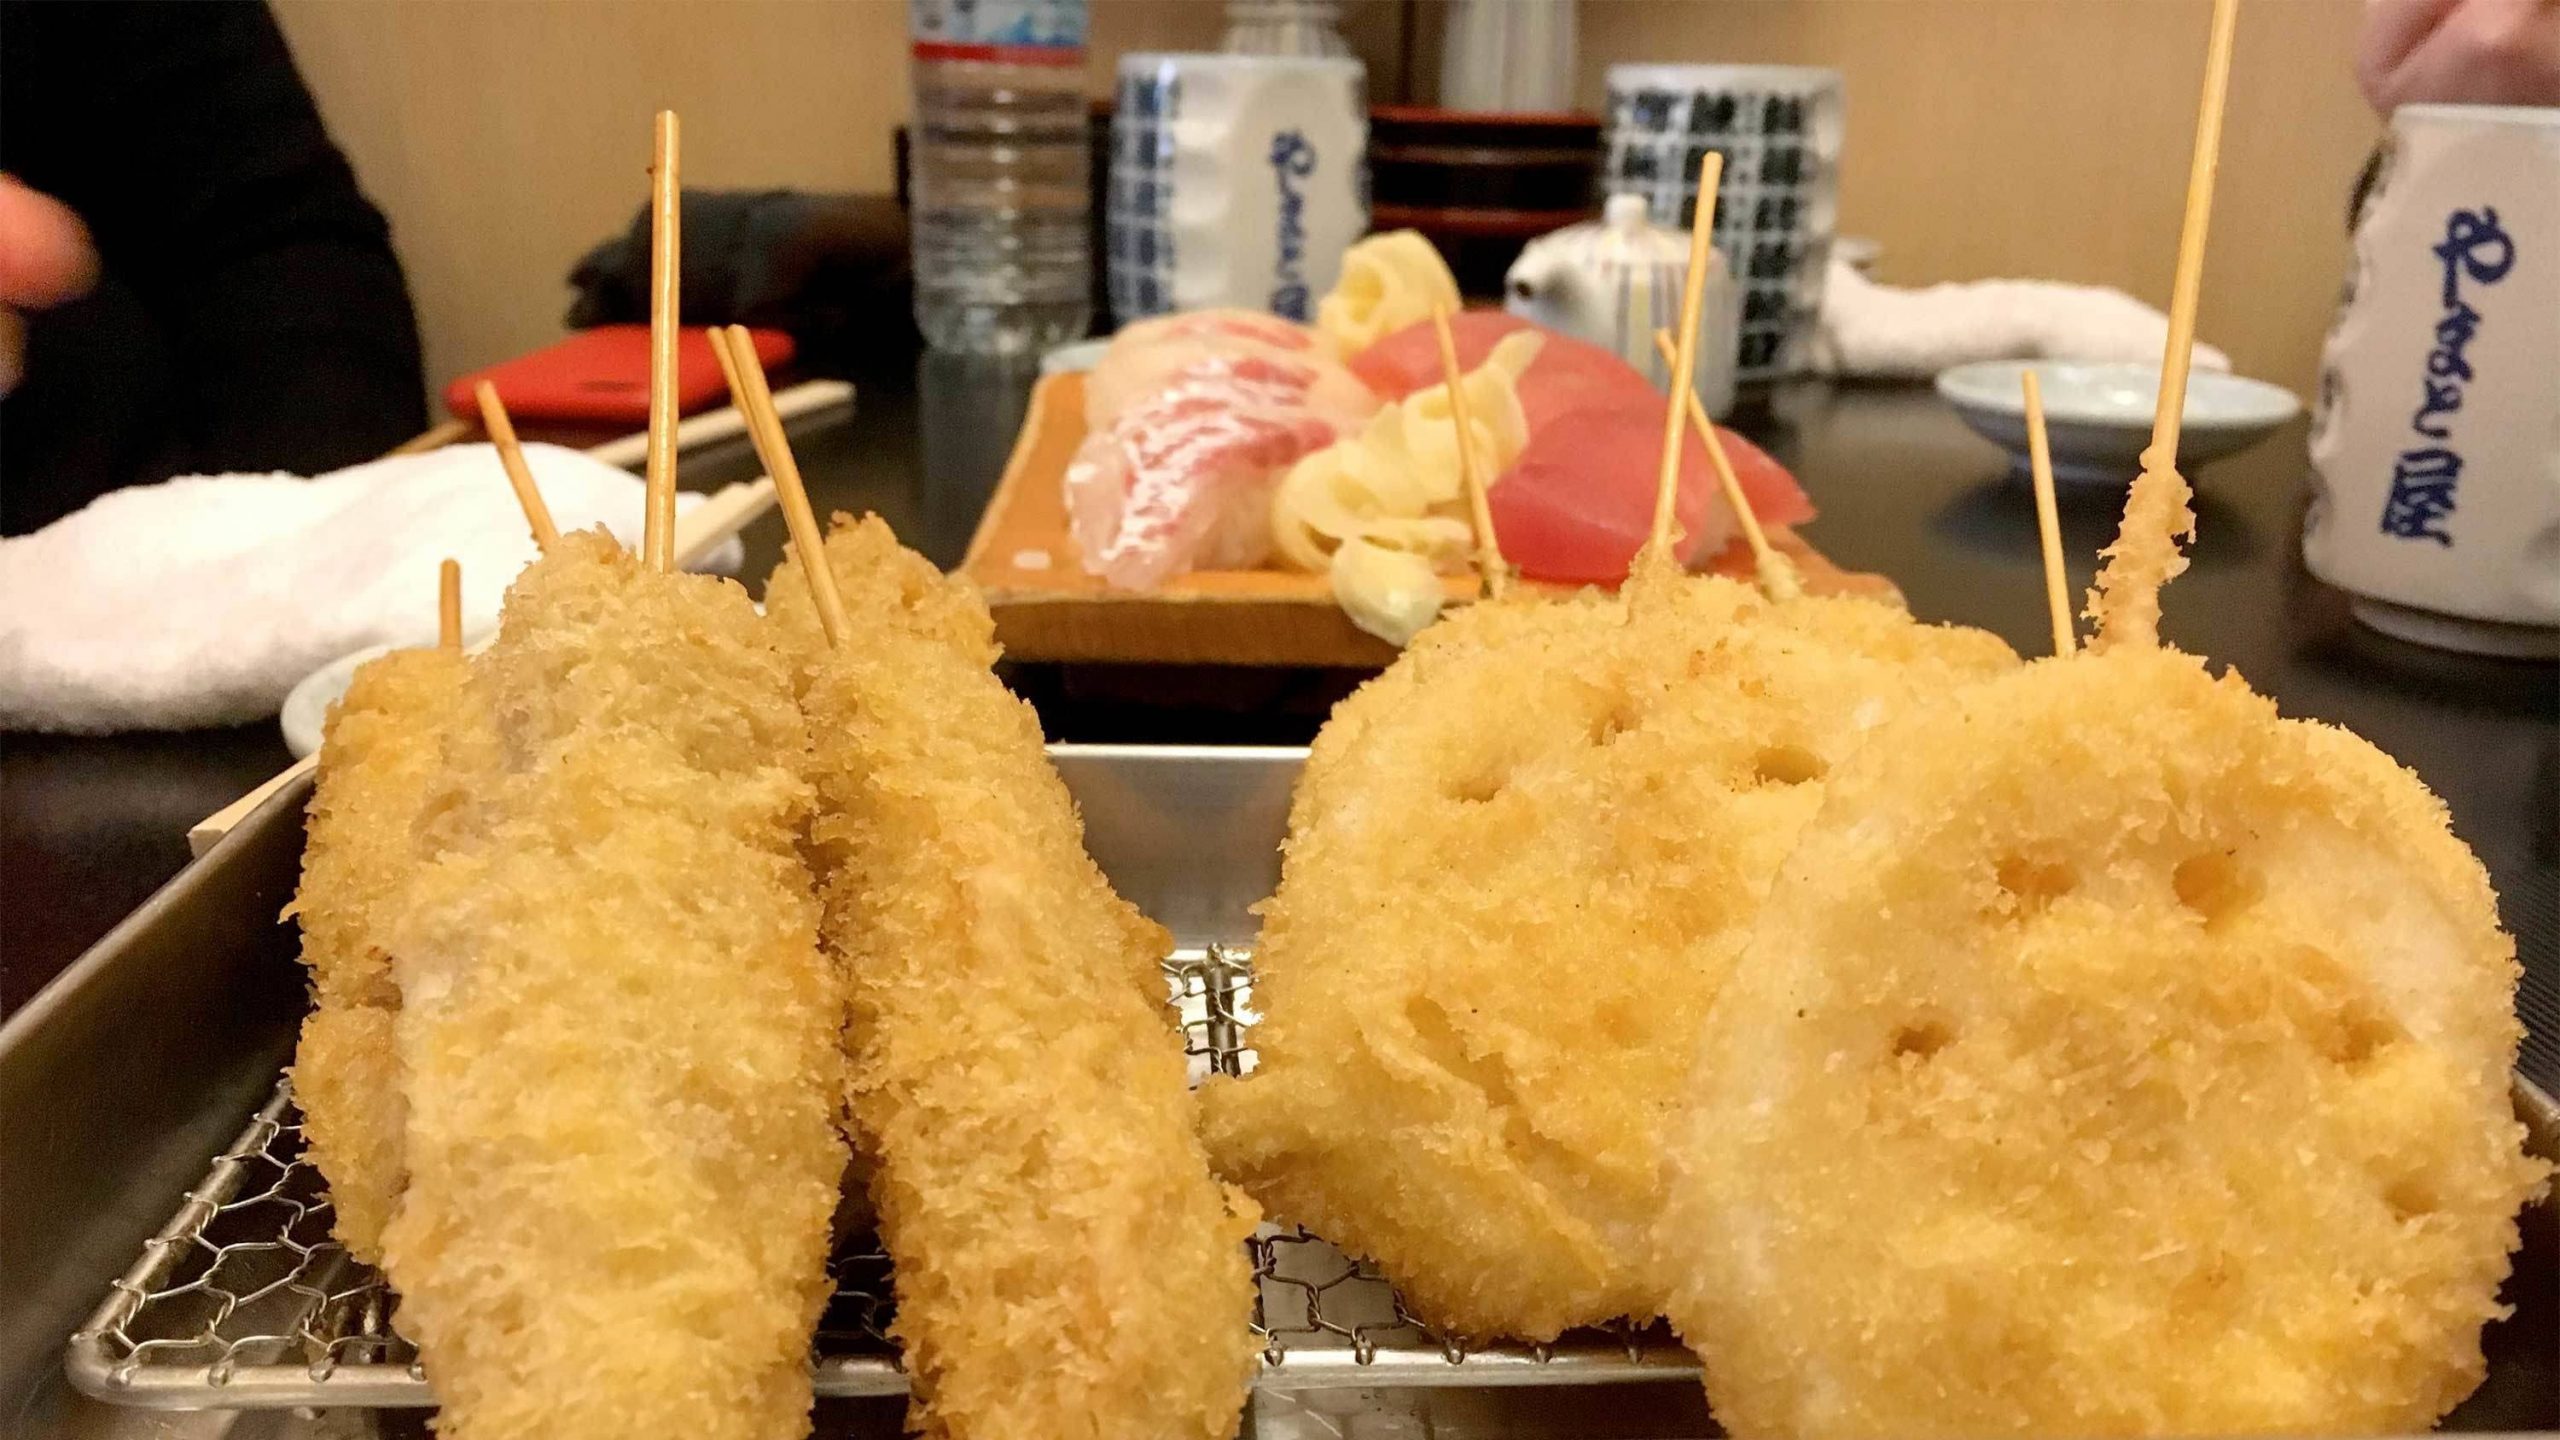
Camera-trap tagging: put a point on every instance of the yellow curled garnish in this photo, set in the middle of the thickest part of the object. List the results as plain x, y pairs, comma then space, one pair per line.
1390, 593
1388, 281
1403, 465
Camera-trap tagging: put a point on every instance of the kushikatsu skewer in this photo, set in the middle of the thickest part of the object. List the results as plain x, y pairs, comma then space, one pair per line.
736, 352
2145, 555
1520, 863
377, 764
2012, 1033
620, 1044
966, 915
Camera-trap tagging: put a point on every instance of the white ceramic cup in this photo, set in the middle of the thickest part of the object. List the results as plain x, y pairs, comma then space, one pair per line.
2435, 446
1779, 127
1236, 180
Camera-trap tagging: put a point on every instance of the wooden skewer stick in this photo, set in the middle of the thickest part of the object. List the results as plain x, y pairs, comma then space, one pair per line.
1490, 566
1776, 573
736, 351
737, 388
2048, 526
658, 529
502, 434
1684, 361
449, 607
2145, 556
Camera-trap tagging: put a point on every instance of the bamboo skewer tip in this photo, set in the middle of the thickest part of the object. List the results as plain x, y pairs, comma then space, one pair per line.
2187, 281
1684, 364
2145, 555
729, 375
735, 349
665, 317
449, 607
1775, 573
1491, 569
502, 437
2048, 525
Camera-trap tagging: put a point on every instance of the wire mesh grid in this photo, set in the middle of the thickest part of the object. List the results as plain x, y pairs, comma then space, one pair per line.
243, 1299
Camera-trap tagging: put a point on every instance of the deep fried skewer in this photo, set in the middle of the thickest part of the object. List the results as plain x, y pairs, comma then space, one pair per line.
622, 1045
2112, 1056
380, 755
1065, 1264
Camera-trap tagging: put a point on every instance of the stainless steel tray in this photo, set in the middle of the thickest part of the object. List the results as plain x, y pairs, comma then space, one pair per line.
240, 1300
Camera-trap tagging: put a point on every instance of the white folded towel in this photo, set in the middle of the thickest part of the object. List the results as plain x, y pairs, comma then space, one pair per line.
1867, 329
202, 600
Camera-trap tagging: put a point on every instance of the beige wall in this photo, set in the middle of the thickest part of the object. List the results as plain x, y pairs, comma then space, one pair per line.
1986, 137
504, 137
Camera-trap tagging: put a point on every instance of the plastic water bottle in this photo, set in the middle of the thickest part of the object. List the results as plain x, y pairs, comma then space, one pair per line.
998, 165
1284, 27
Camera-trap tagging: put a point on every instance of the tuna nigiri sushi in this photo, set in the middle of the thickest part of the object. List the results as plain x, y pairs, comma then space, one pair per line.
1576, 504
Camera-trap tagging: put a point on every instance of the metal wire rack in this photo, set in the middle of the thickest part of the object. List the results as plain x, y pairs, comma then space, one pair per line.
243, 1301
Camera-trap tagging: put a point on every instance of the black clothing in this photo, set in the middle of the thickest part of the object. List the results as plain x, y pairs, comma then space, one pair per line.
830, 269
250, 315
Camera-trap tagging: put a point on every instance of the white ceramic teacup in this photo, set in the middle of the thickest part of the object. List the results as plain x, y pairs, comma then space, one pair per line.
2436, 444
1236, 180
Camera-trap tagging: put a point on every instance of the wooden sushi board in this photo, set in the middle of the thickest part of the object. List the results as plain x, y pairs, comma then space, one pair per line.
1048, 609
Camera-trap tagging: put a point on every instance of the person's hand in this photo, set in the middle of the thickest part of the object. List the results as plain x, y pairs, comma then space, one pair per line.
2472, 52
45, 259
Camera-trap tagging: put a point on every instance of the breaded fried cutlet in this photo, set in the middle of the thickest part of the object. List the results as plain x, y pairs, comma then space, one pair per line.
1066, 1267
380, 755
622, 1044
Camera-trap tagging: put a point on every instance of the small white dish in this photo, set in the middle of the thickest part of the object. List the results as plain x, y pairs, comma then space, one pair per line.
2097, 416
1075, 357
306, 705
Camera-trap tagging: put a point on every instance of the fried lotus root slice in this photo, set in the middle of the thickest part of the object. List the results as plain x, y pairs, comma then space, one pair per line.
2111, 1056
1519, 864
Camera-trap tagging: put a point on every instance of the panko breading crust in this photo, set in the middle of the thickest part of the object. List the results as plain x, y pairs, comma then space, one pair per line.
2112, 1057
1520, 864
380, 755
881, 582
1065, 1264
623, 1046
347, 1083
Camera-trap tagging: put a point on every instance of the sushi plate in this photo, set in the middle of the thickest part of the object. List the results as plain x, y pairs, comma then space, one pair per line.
1048, 609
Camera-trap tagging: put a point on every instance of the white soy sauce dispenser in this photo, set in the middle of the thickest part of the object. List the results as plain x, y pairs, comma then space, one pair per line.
1615, 281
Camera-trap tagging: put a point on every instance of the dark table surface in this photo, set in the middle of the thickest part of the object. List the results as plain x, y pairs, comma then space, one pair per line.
90, 826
